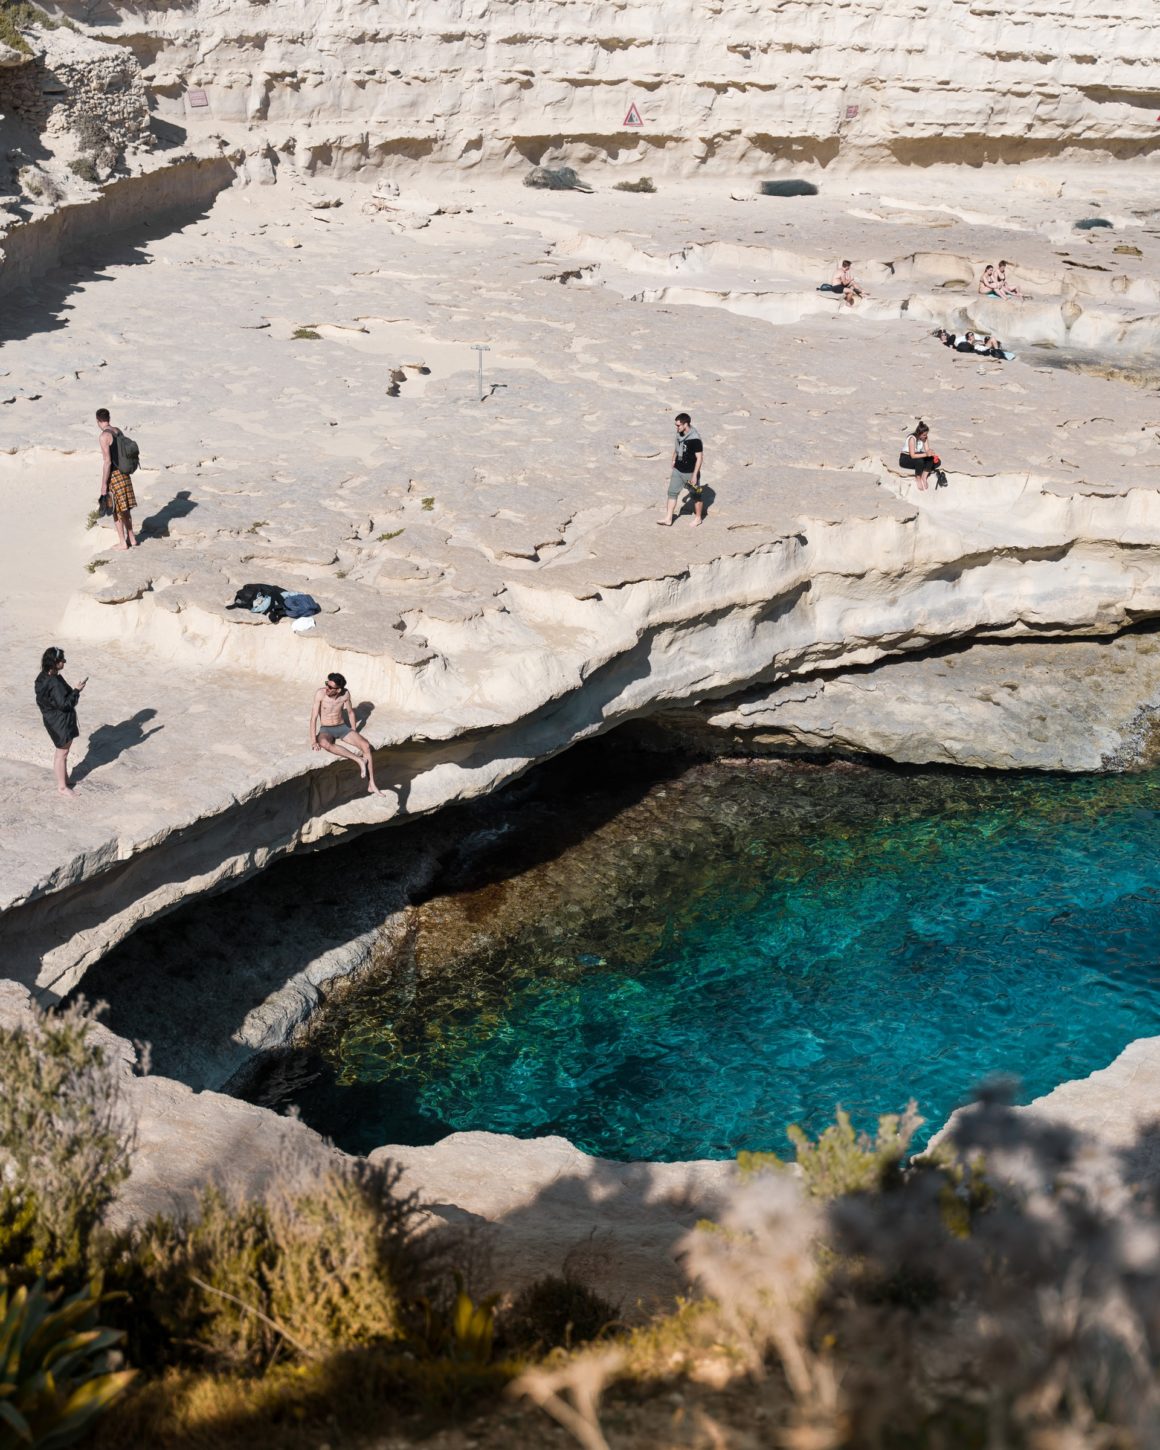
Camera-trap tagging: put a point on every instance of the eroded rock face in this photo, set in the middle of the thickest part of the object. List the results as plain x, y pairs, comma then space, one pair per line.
339, 86
1075, 705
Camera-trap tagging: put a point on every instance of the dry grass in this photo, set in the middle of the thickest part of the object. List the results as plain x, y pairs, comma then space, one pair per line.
348, 1399
244, 1285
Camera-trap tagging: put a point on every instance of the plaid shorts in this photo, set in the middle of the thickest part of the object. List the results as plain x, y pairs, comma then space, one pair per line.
121, 495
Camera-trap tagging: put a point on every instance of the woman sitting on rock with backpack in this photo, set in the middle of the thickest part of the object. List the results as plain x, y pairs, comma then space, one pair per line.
919, 459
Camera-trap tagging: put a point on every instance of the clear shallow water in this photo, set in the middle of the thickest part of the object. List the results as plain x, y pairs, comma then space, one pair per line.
746, 948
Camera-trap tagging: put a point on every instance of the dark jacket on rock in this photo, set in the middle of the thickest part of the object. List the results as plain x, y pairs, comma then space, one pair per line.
58, 706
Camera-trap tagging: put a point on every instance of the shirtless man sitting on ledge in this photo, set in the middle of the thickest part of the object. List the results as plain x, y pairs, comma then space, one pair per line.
330, 731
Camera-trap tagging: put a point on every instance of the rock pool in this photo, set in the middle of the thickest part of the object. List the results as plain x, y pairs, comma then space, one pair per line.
746, 945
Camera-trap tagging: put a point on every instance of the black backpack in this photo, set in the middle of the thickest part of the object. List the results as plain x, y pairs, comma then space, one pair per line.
244, 599
128, 454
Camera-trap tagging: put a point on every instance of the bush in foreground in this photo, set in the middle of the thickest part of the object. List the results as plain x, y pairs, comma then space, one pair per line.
65, 1145
243, 1284
994, 1294
556, 1312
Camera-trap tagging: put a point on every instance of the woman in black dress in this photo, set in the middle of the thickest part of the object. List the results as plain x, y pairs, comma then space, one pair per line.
58, 706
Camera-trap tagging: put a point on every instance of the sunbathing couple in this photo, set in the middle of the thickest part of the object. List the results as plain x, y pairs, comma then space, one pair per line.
993, 283
844, 285
972, 342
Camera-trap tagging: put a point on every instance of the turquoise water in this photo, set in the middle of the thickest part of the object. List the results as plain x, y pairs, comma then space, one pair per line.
758, 949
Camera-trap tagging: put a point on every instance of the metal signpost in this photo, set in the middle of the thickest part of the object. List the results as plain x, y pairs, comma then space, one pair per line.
480, 348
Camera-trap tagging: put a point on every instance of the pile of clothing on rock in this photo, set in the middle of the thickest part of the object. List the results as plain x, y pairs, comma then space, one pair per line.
276, 603
973, 342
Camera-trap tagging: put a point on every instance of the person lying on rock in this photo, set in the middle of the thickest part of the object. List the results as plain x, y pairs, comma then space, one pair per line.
918, 457
988, 346
843, 283
329, 731
688, 456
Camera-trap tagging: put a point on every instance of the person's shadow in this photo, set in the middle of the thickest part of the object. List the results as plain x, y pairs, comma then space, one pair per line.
108, 741
707, 498
156, 526
402, 789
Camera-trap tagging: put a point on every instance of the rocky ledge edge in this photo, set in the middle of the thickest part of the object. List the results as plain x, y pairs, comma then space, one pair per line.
846, 573
530, 1205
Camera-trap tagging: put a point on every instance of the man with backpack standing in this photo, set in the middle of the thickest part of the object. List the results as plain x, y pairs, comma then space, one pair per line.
119, 457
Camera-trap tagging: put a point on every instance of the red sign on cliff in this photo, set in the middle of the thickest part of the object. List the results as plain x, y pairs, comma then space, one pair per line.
633, 118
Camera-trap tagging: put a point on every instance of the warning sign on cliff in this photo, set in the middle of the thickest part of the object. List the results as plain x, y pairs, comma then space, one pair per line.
633, 118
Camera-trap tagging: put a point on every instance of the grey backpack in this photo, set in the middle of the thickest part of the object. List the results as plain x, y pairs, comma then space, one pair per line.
128, 454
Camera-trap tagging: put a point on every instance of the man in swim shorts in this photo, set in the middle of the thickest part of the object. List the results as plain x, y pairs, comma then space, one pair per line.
688, 455
330, 731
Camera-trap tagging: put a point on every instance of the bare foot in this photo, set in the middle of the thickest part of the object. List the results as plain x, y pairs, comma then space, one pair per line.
372, 789
694, 523
663, 523
362, 768
122, 547
65, 790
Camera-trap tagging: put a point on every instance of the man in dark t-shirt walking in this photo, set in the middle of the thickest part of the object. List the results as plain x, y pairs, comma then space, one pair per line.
688, 455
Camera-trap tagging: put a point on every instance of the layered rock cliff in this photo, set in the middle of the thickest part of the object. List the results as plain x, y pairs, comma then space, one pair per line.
348, 84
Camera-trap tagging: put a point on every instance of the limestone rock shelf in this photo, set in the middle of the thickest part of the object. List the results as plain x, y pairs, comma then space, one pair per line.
492, 580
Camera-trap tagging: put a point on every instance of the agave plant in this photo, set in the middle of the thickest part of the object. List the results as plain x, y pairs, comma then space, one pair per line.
54, 1366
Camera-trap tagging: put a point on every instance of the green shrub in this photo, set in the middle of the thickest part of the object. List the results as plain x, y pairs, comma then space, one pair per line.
66, 1138
17, 15
94, 564
38, 184
91, 134
56, 1372
244, 1284
643, 184
843, 1161
471, 1328
306, 334
86, 168
556, 1312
